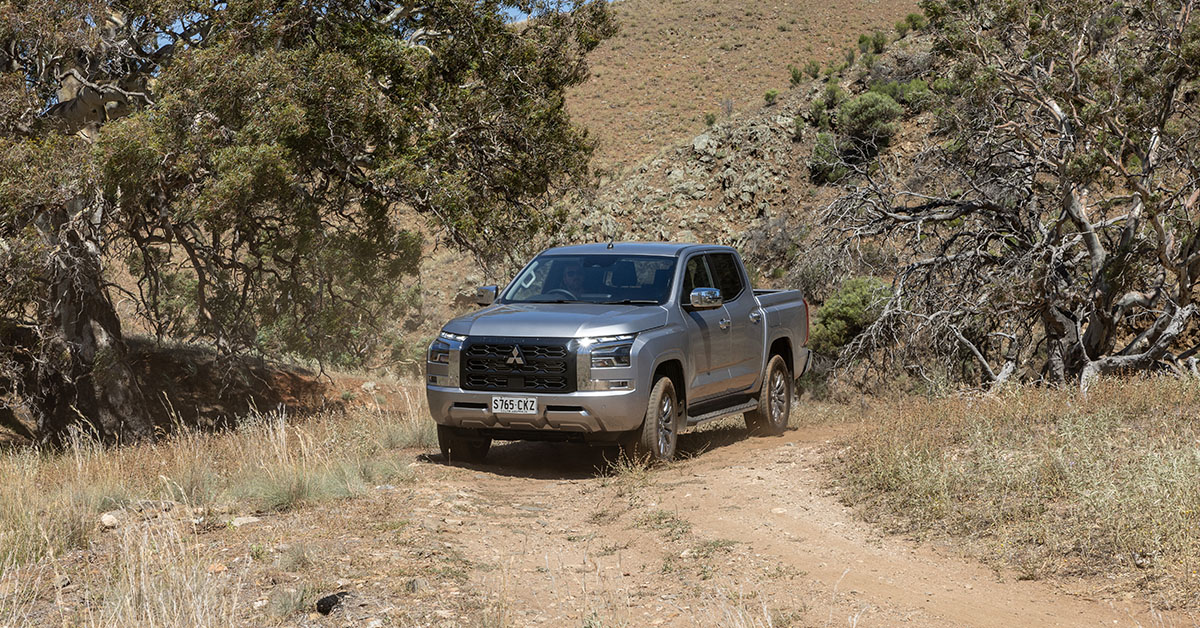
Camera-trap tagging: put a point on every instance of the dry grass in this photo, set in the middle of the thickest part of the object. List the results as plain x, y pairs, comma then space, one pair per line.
52, 501
733, 607
162, 578
1047, 481
159, 576
155, 571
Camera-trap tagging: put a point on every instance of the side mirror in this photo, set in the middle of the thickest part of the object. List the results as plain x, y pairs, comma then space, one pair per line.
706, 298
485, 295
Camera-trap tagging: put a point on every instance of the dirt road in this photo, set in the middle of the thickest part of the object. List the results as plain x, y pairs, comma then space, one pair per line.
743, 532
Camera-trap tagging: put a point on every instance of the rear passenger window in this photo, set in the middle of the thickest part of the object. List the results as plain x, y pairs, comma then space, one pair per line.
726, 274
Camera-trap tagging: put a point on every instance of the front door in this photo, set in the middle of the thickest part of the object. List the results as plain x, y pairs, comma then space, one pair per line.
707, 344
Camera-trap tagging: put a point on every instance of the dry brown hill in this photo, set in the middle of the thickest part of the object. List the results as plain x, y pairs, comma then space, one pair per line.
745, 181
676, 60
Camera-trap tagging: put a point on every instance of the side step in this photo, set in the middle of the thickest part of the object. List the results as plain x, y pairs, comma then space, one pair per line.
722, 413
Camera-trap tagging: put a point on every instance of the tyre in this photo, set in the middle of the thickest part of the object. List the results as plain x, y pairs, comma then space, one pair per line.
774, 400
459, 445
659, 433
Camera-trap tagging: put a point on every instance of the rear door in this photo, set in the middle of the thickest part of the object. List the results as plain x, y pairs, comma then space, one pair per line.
744, 320
707, 344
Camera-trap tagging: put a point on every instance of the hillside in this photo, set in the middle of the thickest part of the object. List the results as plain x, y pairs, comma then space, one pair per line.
673, 61
744, 181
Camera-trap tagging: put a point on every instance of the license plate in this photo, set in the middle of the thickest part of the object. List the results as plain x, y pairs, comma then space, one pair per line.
514, 405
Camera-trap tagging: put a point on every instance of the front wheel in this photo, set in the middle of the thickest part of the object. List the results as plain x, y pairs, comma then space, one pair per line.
458, 446
659, 433
774, 401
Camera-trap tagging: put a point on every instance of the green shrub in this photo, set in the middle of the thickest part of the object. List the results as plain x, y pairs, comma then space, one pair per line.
870, 118
710, 119
902, 28
796, 75
819, 115
916, 21
812, 68
771, 96
833, 96
834, 68
864, 42
819, 110
851, 55
891, 89
878, 42
946, 86
915, 94
868, 60
826, 164
847, 313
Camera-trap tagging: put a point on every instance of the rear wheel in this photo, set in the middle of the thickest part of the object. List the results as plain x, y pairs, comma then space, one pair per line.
774, 400
461, 445
657, 437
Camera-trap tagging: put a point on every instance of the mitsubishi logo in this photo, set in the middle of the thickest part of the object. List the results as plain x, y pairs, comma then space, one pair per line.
517, 358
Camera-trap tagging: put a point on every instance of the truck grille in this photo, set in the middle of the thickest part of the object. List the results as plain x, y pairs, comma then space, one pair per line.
538, 365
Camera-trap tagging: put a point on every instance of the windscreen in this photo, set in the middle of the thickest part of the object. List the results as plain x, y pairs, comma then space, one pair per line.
612, 279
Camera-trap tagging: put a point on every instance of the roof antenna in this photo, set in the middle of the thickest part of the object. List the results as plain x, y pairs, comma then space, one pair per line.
611, 238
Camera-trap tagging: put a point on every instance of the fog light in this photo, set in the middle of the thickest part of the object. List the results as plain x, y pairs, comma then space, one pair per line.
608, 384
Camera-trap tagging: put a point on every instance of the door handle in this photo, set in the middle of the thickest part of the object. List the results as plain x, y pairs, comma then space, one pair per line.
755, 316
724, 323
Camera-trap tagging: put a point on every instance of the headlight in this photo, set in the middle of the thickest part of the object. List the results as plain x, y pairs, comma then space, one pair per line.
587, 342
611, 356
442, 366
609, 351
439, 352
597, 354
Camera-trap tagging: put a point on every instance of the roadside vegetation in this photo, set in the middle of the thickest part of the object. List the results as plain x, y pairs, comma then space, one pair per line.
1044, 482
147, 504
53, 501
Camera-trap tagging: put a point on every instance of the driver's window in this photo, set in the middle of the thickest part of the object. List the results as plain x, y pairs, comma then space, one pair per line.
695, 275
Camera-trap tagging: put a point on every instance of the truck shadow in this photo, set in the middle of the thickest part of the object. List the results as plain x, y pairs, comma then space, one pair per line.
571, 461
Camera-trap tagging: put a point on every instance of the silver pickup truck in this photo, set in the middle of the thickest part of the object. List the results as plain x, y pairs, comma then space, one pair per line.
625, 343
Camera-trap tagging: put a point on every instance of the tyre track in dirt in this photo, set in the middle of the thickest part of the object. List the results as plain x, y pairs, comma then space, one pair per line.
745, 532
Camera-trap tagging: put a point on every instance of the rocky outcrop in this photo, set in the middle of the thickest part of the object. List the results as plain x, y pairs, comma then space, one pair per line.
717, 187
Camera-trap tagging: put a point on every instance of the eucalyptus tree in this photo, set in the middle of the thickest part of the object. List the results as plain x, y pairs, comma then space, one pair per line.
1050, 221
241, 164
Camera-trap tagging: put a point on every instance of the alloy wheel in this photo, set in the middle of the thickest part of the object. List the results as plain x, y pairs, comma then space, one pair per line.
666, 424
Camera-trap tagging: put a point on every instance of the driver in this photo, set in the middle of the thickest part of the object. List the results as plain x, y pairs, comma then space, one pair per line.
572, 277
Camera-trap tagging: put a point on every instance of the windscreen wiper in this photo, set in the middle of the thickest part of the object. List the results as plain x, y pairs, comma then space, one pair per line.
632, 302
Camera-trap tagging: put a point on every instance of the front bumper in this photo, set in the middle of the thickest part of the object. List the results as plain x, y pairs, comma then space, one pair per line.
585, 413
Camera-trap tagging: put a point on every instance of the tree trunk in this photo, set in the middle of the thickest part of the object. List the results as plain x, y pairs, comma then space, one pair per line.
85, 376
1056, 328
1176, 322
